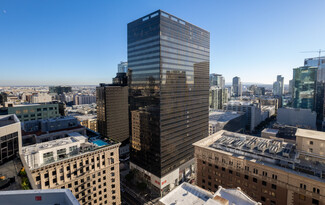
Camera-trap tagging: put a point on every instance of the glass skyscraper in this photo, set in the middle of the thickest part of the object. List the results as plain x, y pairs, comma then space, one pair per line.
168, 61
304, 87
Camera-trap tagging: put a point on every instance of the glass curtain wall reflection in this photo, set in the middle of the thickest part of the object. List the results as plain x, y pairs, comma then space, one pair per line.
168, 61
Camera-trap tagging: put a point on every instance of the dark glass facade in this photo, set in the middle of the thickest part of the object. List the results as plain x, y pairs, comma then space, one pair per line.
168, 62
304, 87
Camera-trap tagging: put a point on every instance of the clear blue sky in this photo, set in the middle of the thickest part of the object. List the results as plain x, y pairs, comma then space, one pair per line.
45, 42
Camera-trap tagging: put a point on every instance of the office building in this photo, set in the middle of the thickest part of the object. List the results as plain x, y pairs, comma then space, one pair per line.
168, 61
290, 87
60, 89
10, 137
304, 87
122, 67
186, 194
302, 118
230, 121
237, 87
278, 86
217, 97
84, 99
41, 98
318, 62
217, 80
89, 121
88, 166
253, 112
268, 170
113, 108
27, 112
41, 197
38, 131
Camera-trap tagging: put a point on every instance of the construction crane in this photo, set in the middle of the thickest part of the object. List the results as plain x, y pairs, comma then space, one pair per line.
319, 54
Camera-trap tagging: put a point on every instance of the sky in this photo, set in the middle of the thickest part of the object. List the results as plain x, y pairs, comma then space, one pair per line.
80, 42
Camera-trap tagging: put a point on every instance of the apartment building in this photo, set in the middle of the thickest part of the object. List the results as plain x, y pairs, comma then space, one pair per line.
271, 171
88, 166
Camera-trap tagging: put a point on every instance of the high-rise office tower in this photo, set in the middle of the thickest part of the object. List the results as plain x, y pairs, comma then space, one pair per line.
317, 62
237, 86
217, 80
217, 97
304, 87
278, 86
168, 61
113, 108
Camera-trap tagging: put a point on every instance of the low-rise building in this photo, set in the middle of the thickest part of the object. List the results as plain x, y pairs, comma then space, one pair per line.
231, 121
41, 98
268, 170
27, 112
252, 112
186, 194
302, 118
38, 131
89, 121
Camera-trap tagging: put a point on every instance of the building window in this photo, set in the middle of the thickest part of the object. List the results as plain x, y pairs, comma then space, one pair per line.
254, 180
223, 169
255, 171
273, 186
203, 162
263, 198
203, 181
274, 176
303, 186
264, 183
230, 171
316, 190
246, 176
216, 167
315, 202
311, 150
38, 178
311, 142
264, 174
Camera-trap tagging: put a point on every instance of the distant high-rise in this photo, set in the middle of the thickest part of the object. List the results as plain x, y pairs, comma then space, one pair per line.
318, 62
122, 67
168, 60
217, 80
278, 86
237, 87
304, 87
60, 89
113, 108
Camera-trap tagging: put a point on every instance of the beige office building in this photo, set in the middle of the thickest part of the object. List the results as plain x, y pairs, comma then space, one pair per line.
89, 167
271, 171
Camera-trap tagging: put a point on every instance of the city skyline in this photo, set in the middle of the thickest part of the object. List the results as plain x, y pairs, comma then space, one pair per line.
245, 38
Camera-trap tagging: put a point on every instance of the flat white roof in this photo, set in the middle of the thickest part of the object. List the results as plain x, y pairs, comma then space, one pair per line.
312, 134
186, 194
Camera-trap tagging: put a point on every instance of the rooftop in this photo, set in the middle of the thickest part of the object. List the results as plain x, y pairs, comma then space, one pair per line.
8, 120
221, 116
269, 130
41, 197
186, 194
270, 152
312, 134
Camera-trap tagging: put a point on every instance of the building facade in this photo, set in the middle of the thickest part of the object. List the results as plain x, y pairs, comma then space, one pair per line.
217, 80
27, 112
217, 97
278, 86
304, 87
237, 87
168, 62
112, 111
270, 171
88, 166
10, 137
